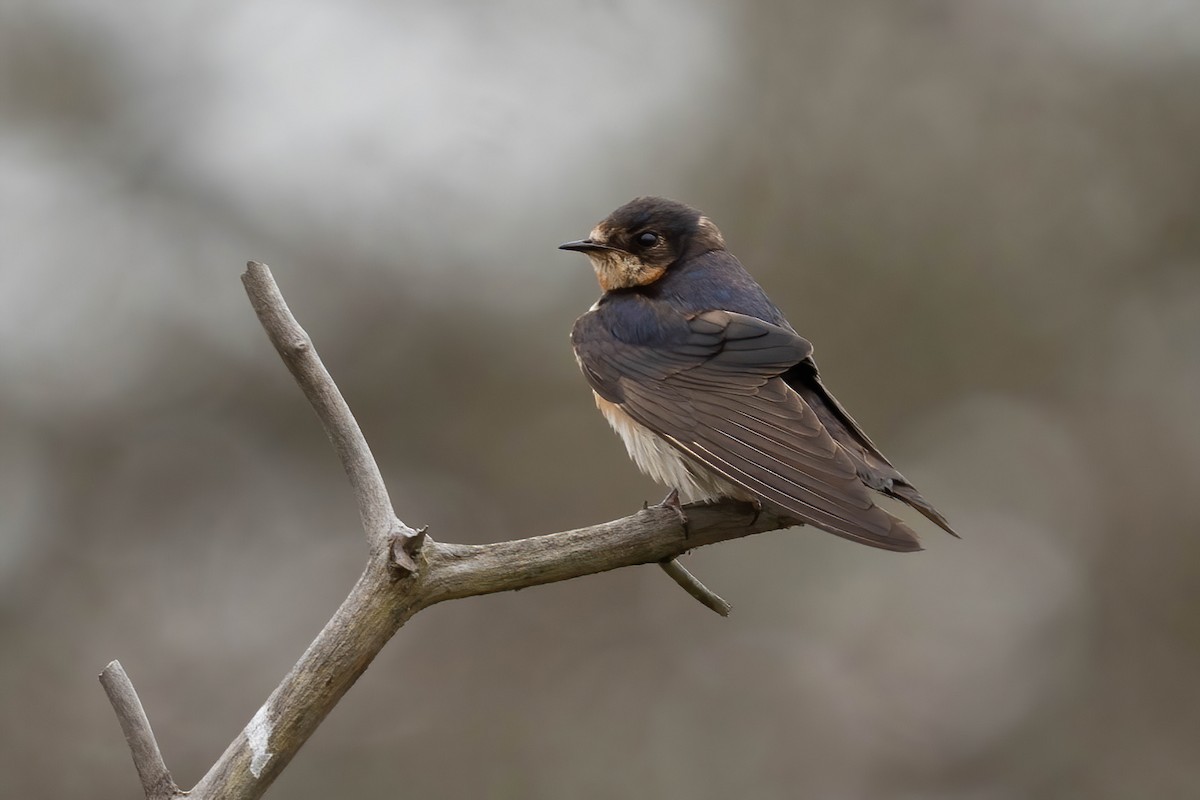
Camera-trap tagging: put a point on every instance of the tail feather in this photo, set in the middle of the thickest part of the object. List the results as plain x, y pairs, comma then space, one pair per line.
906, 494
873, 468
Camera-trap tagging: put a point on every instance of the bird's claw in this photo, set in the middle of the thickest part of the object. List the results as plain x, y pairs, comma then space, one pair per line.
671, 501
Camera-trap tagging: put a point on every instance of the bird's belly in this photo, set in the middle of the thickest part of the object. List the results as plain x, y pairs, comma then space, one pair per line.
656, 457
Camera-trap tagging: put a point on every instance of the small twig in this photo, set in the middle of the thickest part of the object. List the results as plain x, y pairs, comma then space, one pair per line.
694, 587
296, 348
147, 758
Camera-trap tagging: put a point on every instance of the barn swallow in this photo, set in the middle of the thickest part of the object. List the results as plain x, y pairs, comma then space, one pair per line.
712, 391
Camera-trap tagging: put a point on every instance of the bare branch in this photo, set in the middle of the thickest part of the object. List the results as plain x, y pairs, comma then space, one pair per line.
380, 603
375, 609
451, 571
296, 348
147, 758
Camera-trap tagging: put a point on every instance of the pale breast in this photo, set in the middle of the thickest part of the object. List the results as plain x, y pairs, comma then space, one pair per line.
664, 463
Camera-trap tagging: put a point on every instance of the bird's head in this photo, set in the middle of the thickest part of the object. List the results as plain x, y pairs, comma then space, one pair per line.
636, 244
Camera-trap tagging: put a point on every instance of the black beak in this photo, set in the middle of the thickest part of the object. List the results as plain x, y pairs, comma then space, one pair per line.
584, 246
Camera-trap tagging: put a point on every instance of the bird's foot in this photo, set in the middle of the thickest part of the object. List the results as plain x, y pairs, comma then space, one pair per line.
671, 501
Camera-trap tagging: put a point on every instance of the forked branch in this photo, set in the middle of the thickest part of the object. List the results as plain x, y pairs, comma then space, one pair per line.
406, 571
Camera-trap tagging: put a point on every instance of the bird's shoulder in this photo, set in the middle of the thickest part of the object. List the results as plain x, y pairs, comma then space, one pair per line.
630, 318
715, 280
660, 313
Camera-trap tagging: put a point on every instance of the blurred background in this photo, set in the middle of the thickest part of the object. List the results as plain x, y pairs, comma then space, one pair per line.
985, 215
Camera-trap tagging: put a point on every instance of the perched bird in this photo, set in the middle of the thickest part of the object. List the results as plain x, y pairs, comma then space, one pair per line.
713, 392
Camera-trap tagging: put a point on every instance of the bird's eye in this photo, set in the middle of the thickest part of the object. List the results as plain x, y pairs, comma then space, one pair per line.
647, 239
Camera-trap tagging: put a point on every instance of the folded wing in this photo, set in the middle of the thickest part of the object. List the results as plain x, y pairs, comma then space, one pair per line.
715, 393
